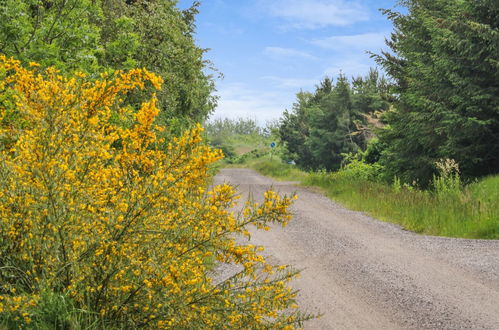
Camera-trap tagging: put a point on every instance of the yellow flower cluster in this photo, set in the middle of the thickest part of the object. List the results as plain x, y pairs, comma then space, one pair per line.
122, 222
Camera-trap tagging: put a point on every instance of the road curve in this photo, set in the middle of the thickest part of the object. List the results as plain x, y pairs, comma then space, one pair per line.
361, 273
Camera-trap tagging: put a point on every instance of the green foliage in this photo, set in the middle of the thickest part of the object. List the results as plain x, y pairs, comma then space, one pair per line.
396, 185
105, 35
486, 189
336, 119
241, 140
468, 211
448, 181
56, 311
228, 150
62, 33
373, 151
358, 170
444, 61
121, 42
158, 36
221, 128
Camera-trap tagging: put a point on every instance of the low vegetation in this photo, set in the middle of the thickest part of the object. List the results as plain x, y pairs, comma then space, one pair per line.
470, 211
241, 139
103, 224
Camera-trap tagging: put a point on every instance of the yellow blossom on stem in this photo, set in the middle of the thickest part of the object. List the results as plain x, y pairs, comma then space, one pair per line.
119, 222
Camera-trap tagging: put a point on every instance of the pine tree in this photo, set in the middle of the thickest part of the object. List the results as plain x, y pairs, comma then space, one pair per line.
444, 60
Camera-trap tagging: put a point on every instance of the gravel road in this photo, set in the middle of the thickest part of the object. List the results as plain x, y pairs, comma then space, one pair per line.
362, 273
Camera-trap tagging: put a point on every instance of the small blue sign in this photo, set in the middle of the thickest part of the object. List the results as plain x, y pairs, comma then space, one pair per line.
272, 145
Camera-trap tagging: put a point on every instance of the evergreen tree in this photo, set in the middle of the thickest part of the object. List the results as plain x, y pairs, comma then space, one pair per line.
370, 96
332, 121
444, 61
294, 131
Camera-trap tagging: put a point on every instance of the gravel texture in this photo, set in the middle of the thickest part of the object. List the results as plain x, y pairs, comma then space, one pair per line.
361, 273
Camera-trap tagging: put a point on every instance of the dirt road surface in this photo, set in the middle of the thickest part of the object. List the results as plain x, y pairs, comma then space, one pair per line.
365, 274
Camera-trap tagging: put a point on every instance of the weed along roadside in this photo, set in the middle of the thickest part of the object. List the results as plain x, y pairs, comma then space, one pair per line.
452, 209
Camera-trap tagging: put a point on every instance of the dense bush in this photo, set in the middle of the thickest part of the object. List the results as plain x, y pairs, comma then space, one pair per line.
95, 36
358, 170
102, 224
444, 62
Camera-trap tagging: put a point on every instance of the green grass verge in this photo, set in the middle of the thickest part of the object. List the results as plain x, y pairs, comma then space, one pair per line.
472, 212
274, 168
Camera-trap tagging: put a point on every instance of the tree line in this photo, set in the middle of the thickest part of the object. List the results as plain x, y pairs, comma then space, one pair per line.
439, 101
98, 36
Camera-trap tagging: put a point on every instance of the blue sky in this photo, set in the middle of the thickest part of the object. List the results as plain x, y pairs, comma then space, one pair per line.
268, 50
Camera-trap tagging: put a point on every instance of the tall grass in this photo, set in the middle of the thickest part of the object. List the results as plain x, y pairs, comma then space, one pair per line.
449, 210
275, 168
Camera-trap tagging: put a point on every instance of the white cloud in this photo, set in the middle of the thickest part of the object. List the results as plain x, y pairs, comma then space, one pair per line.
313, 14
278, 53
365, 41
292, 83
351, 66
239, 101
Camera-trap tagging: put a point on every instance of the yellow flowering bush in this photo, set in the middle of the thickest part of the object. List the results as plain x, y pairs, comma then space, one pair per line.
100, 214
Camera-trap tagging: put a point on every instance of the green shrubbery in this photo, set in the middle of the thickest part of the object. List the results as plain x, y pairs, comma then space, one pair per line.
96, 36
358, 170
448, 181
449, 209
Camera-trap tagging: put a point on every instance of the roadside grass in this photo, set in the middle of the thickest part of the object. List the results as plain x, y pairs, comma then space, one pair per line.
470, 212
241, 149
240, 144
57, 311
245, 143
274, 168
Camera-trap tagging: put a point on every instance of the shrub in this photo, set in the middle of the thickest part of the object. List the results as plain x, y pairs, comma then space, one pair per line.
358, 170
253, 154
101, 217
228, 150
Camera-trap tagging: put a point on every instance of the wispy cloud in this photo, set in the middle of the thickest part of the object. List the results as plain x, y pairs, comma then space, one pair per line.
279, 53
366, 41
292, 83
355, 65
237, 100
313, 14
